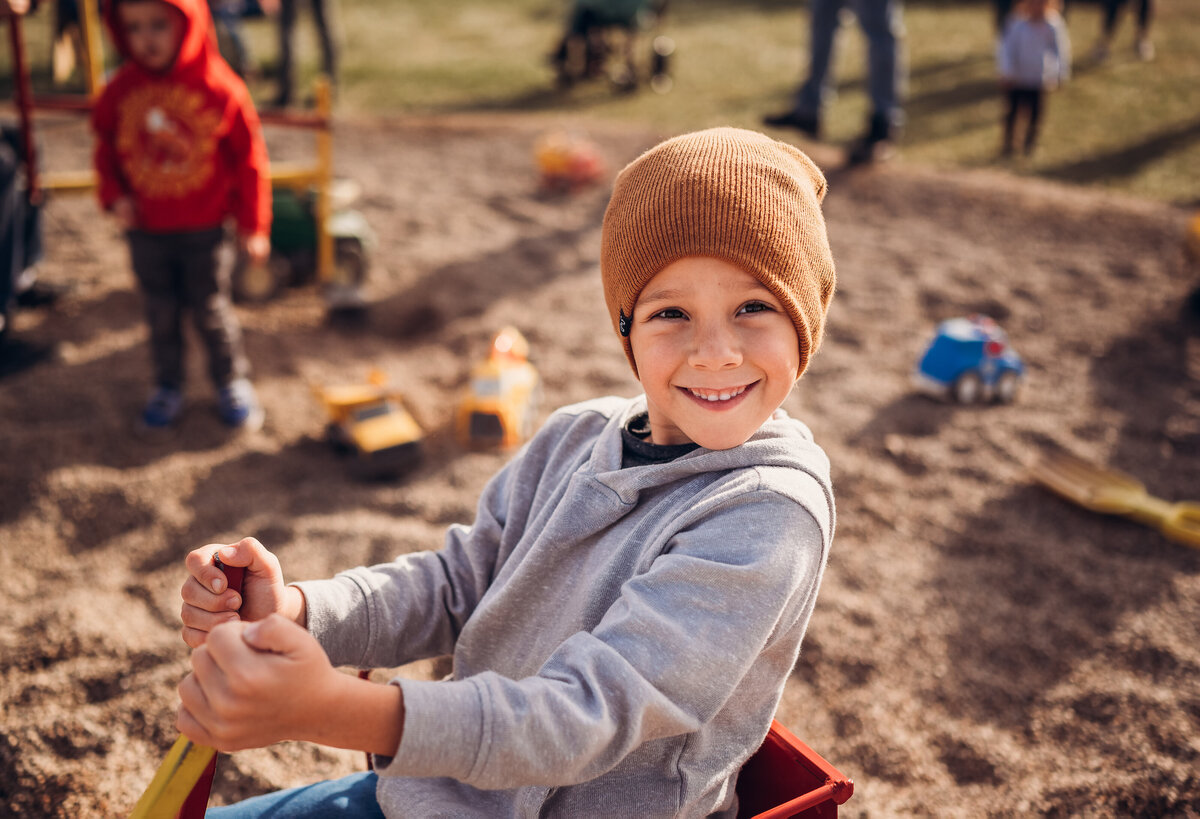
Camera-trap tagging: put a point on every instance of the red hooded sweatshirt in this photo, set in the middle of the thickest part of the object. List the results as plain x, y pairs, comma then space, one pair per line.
185, 143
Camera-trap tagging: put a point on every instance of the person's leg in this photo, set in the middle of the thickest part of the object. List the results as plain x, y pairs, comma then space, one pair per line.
1034, 103
287, 23
207, 263
1010, 121
1108, 26
825, 17
883, 24
163, 299
11, 253
1003, 9
1112, 8
805, 113
324, 23
227, 15
350, 796
1145, 14
1143, 45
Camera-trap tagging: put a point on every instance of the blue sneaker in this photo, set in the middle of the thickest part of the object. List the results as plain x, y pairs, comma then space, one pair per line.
238, 406
163, 408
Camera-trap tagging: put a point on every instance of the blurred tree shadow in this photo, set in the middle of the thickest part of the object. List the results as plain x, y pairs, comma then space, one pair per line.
467, 289
1039, 584
1128, 161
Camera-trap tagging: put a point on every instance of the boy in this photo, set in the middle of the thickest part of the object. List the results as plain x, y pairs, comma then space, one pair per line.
630, 600
179, 150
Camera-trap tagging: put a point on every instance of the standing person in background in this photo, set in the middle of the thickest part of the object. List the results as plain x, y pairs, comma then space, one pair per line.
1034, 57
287, 23
1142, 45
20, 219
179, 152
882, 24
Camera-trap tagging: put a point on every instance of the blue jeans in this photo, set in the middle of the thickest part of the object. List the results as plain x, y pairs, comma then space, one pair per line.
352, 795
882, 23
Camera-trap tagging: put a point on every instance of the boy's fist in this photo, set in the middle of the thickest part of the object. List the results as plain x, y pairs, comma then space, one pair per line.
257, 683
257, 247
208, 601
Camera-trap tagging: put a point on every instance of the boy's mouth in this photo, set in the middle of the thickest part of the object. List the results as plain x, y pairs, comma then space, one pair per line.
717, 396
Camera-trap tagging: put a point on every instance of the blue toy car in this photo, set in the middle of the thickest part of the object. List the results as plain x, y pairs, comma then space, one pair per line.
970, 360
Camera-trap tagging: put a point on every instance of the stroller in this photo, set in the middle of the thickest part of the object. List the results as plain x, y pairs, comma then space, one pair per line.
587, 46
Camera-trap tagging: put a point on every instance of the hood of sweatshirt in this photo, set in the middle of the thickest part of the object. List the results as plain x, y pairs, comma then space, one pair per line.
198, 44
782, 443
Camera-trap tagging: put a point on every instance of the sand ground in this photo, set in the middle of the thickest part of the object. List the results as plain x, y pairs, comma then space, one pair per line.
980, 647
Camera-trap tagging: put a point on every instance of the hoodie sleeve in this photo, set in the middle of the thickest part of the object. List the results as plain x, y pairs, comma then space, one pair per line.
637, 675
1062, 45
414, 607
110, 185
1004, 58
252, 188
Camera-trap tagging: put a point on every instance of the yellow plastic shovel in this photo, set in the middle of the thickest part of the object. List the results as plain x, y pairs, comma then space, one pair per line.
1114, 493
181, 784
174, 782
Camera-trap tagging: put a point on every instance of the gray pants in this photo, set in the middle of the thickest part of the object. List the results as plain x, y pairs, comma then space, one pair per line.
882, 23
188, 273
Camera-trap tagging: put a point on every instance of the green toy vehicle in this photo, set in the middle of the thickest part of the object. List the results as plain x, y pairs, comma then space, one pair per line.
294, 259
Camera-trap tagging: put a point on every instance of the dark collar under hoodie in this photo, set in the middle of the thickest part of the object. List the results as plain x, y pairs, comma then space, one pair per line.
184, 143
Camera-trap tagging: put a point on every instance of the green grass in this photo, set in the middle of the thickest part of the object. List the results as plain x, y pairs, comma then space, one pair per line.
1124, 125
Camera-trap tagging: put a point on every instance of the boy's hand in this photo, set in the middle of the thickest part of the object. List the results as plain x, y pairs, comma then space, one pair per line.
253, 684
126, 213
256, 247
208, 601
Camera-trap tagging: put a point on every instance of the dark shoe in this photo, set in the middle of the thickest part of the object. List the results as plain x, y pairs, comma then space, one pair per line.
238, 406
39, 294
867, 151
877, 144
808, 123
163, 408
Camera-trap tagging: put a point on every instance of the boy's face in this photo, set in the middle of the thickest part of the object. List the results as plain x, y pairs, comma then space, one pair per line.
152, 31
716, 353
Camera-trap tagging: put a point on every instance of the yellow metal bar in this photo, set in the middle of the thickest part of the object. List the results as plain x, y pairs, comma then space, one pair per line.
69, 182
283, 175
325, 173
288, 175
93, 45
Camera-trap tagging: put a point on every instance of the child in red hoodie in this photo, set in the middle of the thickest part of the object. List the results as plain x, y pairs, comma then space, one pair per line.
179, 152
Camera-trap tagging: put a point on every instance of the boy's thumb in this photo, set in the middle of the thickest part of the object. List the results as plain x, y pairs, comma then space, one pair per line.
275, 634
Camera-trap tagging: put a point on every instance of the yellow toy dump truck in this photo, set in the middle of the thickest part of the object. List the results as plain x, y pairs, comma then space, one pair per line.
372, 424
499, 405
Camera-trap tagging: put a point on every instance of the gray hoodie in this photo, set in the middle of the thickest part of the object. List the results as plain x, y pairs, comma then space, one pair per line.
621, 637
1035, 53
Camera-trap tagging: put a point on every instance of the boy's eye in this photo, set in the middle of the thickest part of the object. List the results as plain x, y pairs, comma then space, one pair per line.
669, 313
755, 307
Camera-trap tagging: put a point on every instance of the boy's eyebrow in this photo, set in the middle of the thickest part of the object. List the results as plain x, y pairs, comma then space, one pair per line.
672, 293
666, 294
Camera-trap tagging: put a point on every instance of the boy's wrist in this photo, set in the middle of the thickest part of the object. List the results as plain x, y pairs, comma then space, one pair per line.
295, 606
359, 715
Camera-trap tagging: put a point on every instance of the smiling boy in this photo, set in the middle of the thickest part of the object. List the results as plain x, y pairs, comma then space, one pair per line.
630, 600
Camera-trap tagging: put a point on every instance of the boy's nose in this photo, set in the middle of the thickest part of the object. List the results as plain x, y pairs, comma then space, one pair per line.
715, 347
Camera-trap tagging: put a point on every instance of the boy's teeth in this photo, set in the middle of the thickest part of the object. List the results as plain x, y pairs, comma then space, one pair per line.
723, 395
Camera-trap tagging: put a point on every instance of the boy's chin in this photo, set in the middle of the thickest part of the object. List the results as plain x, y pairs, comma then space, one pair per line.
722, 439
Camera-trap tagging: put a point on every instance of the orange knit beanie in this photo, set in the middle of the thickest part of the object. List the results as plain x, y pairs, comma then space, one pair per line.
726, 193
